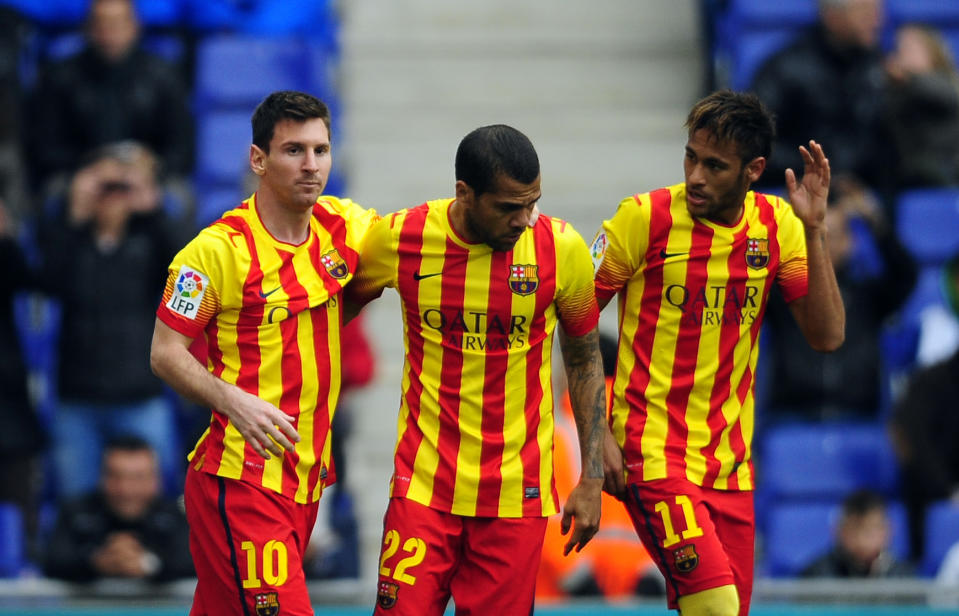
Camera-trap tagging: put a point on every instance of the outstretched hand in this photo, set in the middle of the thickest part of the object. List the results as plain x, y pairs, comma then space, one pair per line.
808, 196
266, 428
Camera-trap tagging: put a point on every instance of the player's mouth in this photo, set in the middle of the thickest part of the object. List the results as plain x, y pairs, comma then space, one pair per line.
696, 199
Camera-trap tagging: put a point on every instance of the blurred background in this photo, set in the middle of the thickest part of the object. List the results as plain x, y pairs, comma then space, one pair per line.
602, 88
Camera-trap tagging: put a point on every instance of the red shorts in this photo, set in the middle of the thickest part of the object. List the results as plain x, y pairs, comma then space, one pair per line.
247, 544
700, 538
488, 565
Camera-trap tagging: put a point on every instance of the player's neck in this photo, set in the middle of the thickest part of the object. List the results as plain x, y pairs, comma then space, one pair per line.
286, 224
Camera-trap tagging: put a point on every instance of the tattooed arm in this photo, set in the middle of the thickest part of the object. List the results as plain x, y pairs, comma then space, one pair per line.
587, 395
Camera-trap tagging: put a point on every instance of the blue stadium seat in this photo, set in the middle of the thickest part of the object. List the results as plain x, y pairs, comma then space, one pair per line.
12, 555
223, 147
213, 202
313, 18
237, 71
927, 223
748, 31
937, 12
942, 531
797, 533
825, 461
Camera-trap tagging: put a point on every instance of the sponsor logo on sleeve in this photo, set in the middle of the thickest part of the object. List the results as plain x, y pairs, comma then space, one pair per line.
597, 249
188, 291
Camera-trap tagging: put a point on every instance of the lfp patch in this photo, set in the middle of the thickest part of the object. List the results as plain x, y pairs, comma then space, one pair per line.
597, 249
188, 292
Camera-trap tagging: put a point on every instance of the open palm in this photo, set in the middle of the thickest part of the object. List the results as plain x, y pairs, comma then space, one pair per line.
808, 196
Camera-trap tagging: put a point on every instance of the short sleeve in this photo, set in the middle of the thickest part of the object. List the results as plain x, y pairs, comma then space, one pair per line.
576, 295
618, 247
194, 284
793, 274
377, 263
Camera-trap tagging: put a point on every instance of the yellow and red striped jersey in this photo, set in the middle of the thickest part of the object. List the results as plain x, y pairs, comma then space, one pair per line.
475, 426
692, 294
270, 312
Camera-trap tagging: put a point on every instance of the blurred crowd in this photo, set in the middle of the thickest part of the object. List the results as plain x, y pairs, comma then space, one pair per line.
97, 141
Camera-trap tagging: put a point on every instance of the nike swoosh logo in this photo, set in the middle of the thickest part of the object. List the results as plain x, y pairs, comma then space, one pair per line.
666, 255
418, 276
269, 293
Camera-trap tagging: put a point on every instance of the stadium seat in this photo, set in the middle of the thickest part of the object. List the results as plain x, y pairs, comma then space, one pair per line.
11, 541
237, 71
937, 12
927, 221
313, 18
797, 533
825, 461
223, 147
942, 531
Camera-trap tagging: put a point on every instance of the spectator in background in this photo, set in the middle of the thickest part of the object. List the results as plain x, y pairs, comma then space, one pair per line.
925, 430
844, 384
923, 109
862, 541
827, 86
124, 528
112, 90
22, 438
105, 255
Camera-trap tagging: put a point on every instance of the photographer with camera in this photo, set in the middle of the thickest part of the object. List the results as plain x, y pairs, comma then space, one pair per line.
105, 253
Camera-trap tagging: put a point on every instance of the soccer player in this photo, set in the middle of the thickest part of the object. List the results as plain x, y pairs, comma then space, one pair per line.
482, 288
262, 285
693, 265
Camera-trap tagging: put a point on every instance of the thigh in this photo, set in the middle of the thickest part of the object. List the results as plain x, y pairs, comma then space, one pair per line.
497, 574
420, 550
77, 445
247, 545
677, 528
733, 516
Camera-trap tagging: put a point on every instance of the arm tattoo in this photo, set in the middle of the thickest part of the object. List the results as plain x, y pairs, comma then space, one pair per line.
587, 395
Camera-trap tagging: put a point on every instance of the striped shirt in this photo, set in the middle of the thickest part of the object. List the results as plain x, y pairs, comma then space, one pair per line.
270, 312
692, 294
475, 426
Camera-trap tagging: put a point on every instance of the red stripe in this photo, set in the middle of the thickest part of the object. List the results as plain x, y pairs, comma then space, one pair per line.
247, 340
335, 225
728, 337
452, 296
660, 220
212, 447
687, 349
498, 308
291, 364
531, 453
324, 373
409, 256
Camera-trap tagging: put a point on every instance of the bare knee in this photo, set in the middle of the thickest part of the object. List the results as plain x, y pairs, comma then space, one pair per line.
721, 601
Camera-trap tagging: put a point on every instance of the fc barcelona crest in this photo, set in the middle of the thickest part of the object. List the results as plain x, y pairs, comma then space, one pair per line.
523, 279
386, 595
267, 604
686, 558
757, 252
334, 264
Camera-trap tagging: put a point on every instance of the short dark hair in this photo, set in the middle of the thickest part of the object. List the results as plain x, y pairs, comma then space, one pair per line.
862, 501
488, 151
286, 105
127, 443
735, 117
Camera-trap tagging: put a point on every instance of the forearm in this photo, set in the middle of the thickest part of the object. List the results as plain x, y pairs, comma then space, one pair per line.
176, 366
587, 395
824, 318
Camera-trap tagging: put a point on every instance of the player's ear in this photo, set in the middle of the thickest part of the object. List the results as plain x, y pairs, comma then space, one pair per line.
464, 194
257, 160
755, 168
